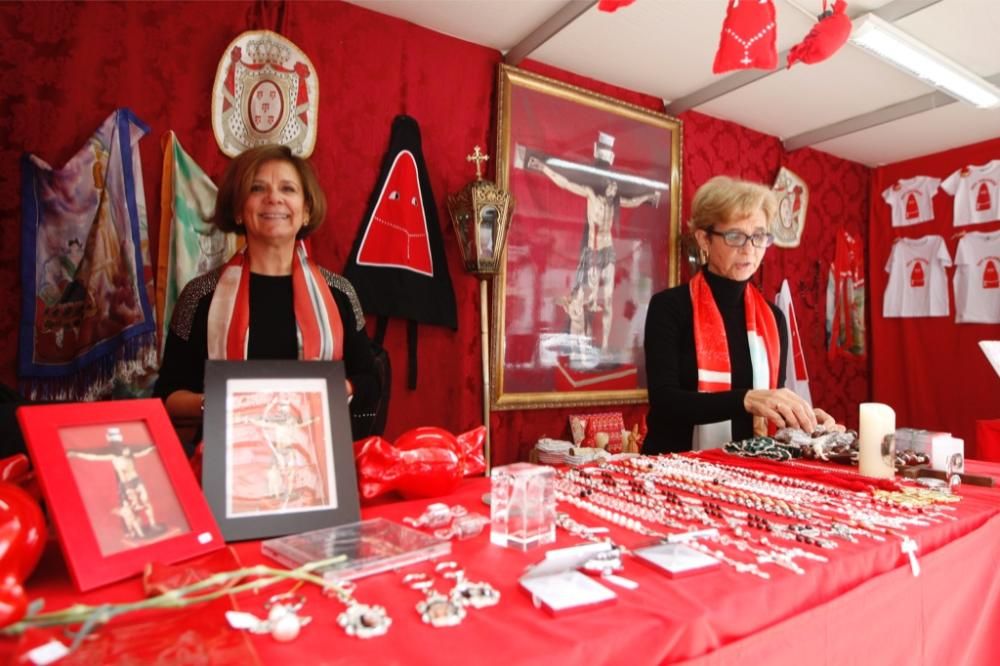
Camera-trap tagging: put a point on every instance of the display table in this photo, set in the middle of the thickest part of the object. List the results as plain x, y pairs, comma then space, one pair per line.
864, 606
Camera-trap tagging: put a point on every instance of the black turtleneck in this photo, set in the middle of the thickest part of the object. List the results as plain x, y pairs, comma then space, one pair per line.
675, 405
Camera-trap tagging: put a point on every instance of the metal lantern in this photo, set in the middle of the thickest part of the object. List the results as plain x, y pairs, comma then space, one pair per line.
481, 213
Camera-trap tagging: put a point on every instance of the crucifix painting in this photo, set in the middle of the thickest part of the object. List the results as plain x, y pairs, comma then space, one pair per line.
592, 237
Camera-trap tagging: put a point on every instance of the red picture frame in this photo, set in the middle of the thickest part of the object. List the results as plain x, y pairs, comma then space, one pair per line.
118, 487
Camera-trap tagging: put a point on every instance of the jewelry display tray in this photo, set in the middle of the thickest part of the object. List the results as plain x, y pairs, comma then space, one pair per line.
369, 547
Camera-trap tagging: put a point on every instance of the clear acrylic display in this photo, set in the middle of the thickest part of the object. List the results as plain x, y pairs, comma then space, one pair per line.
370, 547
522, 506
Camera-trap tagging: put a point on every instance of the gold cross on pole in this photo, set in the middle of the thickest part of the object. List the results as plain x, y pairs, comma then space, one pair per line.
478, 157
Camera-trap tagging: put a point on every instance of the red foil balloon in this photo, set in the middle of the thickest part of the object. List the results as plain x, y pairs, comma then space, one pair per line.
424, 462
473, 444
22, 539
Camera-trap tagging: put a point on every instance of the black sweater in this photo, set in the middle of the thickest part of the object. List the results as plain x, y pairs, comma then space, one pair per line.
675, 405
272, 336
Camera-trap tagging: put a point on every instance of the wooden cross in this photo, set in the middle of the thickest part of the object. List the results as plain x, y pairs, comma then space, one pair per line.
478, 157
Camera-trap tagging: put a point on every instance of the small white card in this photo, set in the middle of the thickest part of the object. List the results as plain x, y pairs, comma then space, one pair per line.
676, 559
566, 590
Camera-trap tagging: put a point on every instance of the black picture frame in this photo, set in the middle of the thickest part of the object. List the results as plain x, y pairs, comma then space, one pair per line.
278, 455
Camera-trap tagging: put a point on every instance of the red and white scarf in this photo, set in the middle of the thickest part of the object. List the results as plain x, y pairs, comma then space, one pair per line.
712, 351
317, 319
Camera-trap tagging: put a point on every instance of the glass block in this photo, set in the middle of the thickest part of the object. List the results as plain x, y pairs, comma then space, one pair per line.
522, 506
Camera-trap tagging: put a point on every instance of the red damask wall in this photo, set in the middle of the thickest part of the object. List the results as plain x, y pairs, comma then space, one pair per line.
67, 66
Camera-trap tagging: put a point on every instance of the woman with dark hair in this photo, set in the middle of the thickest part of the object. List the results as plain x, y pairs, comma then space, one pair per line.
270, 301
715, 348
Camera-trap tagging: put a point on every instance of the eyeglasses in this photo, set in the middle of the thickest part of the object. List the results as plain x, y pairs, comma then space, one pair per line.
735, 238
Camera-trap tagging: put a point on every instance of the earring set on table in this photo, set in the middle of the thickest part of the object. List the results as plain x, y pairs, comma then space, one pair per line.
440, 610
284, 622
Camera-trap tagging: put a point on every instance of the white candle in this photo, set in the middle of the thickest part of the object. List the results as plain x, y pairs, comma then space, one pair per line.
876, 421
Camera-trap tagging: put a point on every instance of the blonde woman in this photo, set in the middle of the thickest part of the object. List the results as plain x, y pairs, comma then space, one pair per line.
715, 348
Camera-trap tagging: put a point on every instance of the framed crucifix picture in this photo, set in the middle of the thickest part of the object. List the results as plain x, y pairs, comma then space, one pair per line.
594, 235
119, 488
278, 453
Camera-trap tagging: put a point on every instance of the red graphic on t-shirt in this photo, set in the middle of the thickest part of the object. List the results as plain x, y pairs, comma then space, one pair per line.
991, 278
912, 210
396, 236
917, 276
983, 199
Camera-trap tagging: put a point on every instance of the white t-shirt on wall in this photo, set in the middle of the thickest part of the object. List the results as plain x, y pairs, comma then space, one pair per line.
976, 190
911, 200
977, 278
918, 284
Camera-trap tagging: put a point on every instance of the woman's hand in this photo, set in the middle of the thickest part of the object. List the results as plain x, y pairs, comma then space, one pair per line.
783, 407
827, 422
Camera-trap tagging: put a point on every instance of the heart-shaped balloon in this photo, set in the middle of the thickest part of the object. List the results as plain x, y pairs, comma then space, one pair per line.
22, 539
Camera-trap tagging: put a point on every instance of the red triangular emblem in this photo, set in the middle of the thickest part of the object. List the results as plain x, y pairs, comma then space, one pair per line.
396, 234
912, 210
991, 279
917, 276
983, 199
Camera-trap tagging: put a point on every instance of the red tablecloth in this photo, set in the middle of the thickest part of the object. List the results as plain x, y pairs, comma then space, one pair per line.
864, 606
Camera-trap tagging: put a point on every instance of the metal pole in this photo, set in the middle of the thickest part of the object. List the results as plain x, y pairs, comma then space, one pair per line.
485, 334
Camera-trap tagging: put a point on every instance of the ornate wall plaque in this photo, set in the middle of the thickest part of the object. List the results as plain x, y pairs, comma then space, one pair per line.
266, 91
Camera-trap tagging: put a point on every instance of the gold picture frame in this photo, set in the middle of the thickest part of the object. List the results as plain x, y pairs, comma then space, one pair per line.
595, 233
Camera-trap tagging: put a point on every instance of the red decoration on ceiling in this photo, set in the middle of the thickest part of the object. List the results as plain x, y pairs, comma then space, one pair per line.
825, 38
748, 36
612, 5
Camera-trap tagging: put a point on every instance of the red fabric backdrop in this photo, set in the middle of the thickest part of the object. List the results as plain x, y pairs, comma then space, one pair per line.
66, 66
930, 369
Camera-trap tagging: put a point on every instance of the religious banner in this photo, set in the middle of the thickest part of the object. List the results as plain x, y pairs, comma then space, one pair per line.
266, 91
189, 245
86, 315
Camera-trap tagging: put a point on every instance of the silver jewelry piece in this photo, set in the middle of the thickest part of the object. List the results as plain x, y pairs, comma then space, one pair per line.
439, 611
469, 593
364, 621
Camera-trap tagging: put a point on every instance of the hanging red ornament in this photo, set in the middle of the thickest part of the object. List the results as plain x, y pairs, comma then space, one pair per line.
747, 40
825, 38
612, 5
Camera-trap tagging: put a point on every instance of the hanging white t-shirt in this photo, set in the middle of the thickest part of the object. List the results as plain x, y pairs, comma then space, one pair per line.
918, 284
911, 200
977, 278
976, 190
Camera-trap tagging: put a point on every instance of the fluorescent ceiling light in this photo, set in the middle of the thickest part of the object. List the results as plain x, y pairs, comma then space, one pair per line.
886, 41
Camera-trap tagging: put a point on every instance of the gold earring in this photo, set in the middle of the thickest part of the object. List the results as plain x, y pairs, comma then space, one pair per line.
703, 256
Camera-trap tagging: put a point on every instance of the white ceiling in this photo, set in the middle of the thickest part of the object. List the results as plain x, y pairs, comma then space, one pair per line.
666, 47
